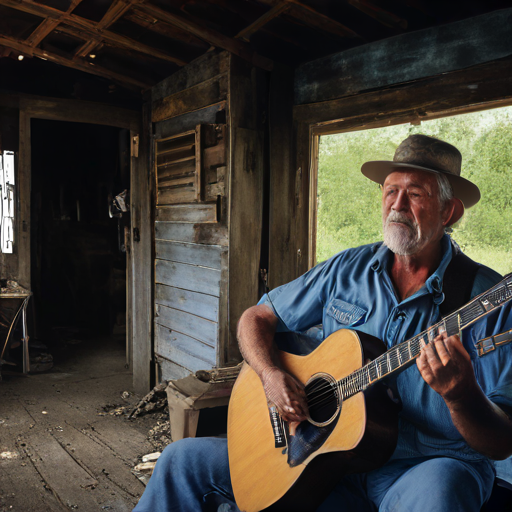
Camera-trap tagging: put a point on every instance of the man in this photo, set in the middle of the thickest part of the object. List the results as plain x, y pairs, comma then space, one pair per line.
452, 420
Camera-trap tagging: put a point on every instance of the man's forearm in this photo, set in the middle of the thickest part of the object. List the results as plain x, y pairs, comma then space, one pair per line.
256, 330
484, 426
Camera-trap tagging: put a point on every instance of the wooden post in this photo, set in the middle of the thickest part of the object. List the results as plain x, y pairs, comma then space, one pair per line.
141, 257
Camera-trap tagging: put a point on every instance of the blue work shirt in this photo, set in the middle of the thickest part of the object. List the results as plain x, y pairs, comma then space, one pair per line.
353, 290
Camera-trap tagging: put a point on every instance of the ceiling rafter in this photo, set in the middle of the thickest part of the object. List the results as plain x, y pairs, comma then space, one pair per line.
209, 35
115, 11
89, 30
24, 48
382, 16
274, 12
47, 26
315, 19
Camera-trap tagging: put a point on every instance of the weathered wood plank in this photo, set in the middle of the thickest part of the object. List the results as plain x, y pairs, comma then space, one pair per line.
23, 210
193, 254
202, 95
247, 89
199, 304
203, 68
282, 180
81, 111
214, 156
208, 115
176, 181
176, 195
172, 371
141, 193
406, 57
188, 277
73, 484
192, 325
176, 168
416, 100
183, 350
204, 213
210, 234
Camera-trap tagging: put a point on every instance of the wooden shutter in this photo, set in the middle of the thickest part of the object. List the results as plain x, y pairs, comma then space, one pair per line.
178, 168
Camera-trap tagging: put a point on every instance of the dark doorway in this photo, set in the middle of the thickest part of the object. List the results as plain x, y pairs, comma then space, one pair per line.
78, 253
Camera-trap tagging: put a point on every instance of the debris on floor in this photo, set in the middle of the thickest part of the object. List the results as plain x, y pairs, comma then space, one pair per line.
144, 470
145, 467
154, 401
151, 457
160, 435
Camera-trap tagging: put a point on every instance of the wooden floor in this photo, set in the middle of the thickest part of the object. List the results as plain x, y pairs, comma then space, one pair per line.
58, 449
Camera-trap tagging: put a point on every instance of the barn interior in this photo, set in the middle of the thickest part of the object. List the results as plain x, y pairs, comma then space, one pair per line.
208, 113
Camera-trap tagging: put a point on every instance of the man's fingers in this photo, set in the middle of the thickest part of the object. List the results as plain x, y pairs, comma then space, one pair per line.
442, 352
424, 367
431, 355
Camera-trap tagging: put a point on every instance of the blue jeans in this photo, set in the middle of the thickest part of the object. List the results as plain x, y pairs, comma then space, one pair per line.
192, 475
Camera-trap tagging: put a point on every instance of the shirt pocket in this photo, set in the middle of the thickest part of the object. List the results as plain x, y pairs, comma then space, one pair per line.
345, 313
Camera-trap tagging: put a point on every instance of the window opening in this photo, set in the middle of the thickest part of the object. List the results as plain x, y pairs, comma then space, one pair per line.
7, 203
348, 204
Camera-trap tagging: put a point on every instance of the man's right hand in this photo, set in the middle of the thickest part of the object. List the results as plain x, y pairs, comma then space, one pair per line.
286, 393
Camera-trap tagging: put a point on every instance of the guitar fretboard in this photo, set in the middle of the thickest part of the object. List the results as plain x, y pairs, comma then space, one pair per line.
401, 356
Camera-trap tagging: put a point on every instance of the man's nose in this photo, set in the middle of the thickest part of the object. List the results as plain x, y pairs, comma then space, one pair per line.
401, 201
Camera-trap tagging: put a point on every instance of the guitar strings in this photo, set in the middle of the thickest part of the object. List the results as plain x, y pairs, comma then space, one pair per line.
360, 379
395, 358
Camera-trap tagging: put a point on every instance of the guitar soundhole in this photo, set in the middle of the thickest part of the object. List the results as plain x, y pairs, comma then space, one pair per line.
323, 399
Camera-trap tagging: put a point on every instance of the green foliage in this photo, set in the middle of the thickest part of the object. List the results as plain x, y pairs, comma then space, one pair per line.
349, 204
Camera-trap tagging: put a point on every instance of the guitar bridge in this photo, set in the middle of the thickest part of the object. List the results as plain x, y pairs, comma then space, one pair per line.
277, 427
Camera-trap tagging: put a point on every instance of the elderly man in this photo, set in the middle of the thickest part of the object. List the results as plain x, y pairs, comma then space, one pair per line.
452, 421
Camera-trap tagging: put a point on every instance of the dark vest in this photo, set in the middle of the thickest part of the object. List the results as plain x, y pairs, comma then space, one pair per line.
458, 283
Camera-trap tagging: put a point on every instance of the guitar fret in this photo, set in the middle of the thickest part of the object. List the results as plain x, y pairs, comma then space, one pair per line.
452, 325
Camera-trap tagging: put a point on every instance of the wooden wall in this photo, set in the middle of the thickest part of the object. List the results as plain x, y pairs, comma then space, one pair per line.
203, 277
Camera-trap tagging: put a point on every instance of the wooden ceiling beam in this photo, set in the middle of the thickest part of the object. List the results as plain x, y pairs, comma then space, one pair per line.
48, 26
151, 23
115, 11
315, 19
209, 35
24, 48
383, 17
274, 12
89, 29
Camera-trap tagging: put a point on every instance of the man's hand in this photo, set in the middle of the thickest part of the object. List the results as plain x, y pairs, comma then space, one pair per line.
446, 367
287, 394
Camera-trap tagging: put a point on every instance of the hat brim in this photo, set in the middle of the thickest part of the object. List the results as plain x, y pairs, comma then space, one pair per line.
463, 189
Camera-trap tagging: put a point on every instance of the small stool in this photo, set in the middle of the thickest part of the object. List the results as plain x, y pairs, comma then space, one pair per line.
186, 397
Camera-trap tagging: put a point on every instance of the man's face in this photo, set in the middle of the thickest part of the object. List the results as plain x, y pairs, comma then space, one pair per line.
411, 212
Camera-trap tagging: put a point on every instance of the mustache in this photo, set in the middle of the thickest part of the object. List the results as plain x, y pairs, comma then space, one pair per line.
399, 217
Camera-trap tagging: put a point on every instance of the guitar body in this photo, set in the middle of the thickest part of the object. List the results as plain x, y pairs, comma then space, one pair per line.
361, 438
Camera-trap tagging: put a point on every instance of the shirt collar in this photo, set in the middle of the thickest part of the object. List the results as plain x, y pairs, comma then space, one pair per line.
434, 283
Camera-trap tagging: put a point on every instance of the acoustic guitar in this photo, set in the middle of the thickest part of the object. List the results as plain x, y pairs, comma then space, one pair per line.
352, 425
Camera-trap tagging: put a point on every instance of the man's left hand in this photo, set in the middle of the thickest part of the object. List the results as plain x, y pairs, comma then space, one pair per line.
446, 367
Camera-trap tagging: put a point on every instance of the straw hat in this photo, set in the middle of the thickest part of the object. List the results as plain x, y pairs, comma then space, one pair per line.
429, 154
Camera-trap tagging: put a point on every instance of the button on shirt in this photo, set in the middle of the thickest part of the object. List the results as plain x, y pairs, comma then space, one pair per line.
353, 290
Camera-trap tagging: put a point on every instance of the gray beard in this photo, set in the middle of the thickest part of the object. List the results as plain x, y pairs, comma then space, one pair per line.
403, 239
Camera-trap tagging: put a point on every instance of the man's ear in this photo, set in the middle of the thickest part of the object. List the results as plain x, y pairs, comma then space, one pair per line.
453, 212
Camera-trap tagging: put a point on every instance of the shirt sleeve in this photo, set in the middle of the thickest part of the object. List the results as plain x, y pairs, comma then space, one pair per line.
299, 304
494, 369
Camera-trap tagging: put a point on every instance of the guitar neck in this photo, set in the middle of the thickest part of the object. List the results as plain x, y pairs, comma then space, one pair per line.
401, 356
